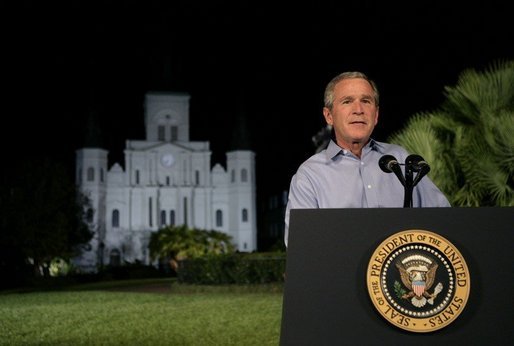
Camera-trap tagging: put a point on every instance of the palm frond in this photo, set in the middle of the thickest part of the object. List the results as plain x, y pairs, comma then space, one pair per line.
469, 141
423, 138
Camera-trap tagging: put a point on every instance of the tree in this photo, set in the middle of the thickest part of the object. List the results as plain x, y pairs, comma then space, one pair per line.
469, 140
41, 217
176, 243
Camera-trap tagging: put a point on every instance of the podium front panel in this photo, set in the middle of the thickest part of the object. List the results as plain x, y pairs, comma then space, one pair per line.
326, 299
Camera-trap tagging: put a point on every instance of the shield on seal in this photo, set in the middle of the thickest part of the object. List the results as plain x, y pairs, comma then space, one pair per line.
418, 287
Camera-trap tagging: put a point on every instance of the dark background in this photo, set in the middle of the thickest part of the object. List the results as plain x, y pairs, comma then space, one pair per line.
266, 61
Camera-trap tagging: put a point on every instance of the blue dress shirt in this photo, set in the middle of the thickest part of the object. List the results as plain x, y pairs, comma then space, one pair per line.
336, 178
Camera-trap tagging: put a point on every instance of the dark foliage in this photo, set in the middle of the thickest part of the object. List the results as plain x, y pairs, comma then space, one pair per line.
40, 218
238, 268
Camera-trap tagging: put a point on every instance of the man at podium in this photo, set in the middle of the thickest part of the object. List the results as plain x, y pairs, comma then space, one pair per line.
347, 174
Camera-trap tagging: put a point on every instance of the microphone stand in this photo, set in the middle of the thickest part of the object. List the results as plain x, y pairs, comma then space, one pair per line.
413, 163
408, 187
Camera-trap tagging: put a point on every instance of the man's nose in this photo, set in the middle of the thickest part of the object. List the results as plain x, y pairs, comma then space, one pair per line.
357, 108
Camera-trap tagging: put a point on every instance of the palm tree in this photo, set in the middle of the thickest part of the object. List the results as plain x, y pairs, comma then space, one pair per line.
469, 140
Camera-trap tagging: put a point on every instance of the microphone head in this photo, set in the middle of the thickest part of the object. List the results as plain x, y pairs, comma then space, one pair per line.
413, 159
417, 163
385, 163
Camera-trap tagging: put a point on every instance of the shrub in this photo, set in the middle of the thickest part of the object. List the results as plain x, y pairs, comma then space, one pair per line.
237, 268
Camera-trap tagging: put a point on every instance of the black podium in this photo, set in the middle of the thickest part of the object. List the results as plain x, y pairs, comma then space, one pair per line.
326, 299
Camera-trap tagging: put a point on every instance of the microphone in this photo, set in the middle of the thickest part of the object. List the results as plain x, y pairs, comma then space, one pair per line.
417, 164
388, 164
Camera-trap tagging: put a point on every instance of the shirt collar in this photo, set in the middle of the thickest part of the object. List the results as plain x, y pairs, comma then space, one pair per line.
333, 149
376, 146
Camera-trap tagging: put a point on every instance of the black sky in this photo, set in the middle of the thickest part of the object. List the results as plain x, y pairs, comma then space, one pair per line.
266, 60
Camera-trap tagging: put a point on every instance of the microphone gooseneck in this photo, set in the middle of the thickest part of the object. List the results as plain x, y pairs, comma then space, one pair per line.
389, 164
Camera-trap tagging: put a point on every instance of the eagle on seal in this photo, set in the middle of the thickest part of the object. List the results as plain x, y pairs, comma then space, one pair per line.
417, 273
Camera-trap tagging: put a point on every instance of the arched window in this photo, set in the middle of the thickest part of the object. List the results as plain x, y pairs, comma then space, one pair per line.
101, 175
219, 218
185, 211
90, 174
160, 133
163, 217
244, 175
197, 177
115, 218
232, 176
244, 215
174, 133
172, 217
150, 212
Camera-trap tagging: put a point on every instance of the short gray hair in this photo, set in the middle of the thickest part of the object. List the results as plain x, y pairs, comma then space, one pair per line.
329, 90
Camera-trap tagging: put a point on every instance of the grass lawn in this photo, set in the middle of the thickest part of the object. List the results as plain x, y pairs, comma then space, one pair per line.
143, 312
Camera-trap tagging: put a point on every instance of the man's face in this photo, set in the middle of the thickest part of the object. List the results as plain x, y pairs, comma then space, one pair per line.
354, 113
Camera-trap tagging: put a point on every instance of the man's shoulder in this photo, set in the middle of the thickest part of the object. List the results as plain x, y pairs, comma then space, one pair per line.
390, 148
318, 157
313, 162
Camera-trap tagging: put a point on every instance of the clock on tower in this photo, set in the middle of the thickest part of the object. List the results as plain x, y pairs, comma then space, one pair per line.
167, 160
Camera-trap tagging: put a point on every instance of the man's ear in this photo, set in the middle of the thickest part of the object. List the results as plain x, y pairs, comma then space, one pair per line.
328, 116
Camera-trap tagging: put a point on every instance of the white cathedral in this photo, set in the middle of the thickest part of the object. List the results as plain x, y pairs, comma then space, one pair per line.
167, 180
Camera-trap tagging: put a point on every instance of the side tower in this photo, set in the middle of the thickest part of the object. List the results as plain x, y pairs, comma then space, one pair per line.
242, 199
91, 172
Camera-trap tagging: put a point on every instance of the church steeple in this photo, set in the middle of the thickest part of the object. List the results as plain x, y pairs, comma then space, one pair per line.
93, 134
240, 138
93, 137
167, 116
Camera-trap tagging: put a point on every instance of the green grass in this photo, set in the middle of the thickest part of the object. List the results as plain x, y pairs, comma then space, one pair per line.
108, 314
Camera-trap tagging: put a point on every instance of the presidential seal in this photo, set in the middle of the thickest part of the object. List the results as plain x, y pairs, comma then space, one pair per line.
418, 281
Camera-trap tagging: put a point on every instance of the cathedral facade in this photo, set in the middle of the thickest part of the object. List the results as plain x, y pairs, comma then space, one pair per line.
166, 180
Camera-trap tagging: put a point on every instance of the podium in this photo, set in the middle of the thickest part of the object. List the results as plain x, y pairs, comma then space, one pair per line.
326, 299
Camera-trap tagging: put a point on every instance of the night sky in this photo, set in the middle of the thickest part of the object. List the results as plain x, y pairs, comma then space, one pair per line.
270, 62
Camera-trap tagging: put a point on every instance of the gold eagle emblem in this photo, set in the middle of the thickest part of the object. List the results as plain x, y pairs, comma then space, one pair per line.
417, 273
